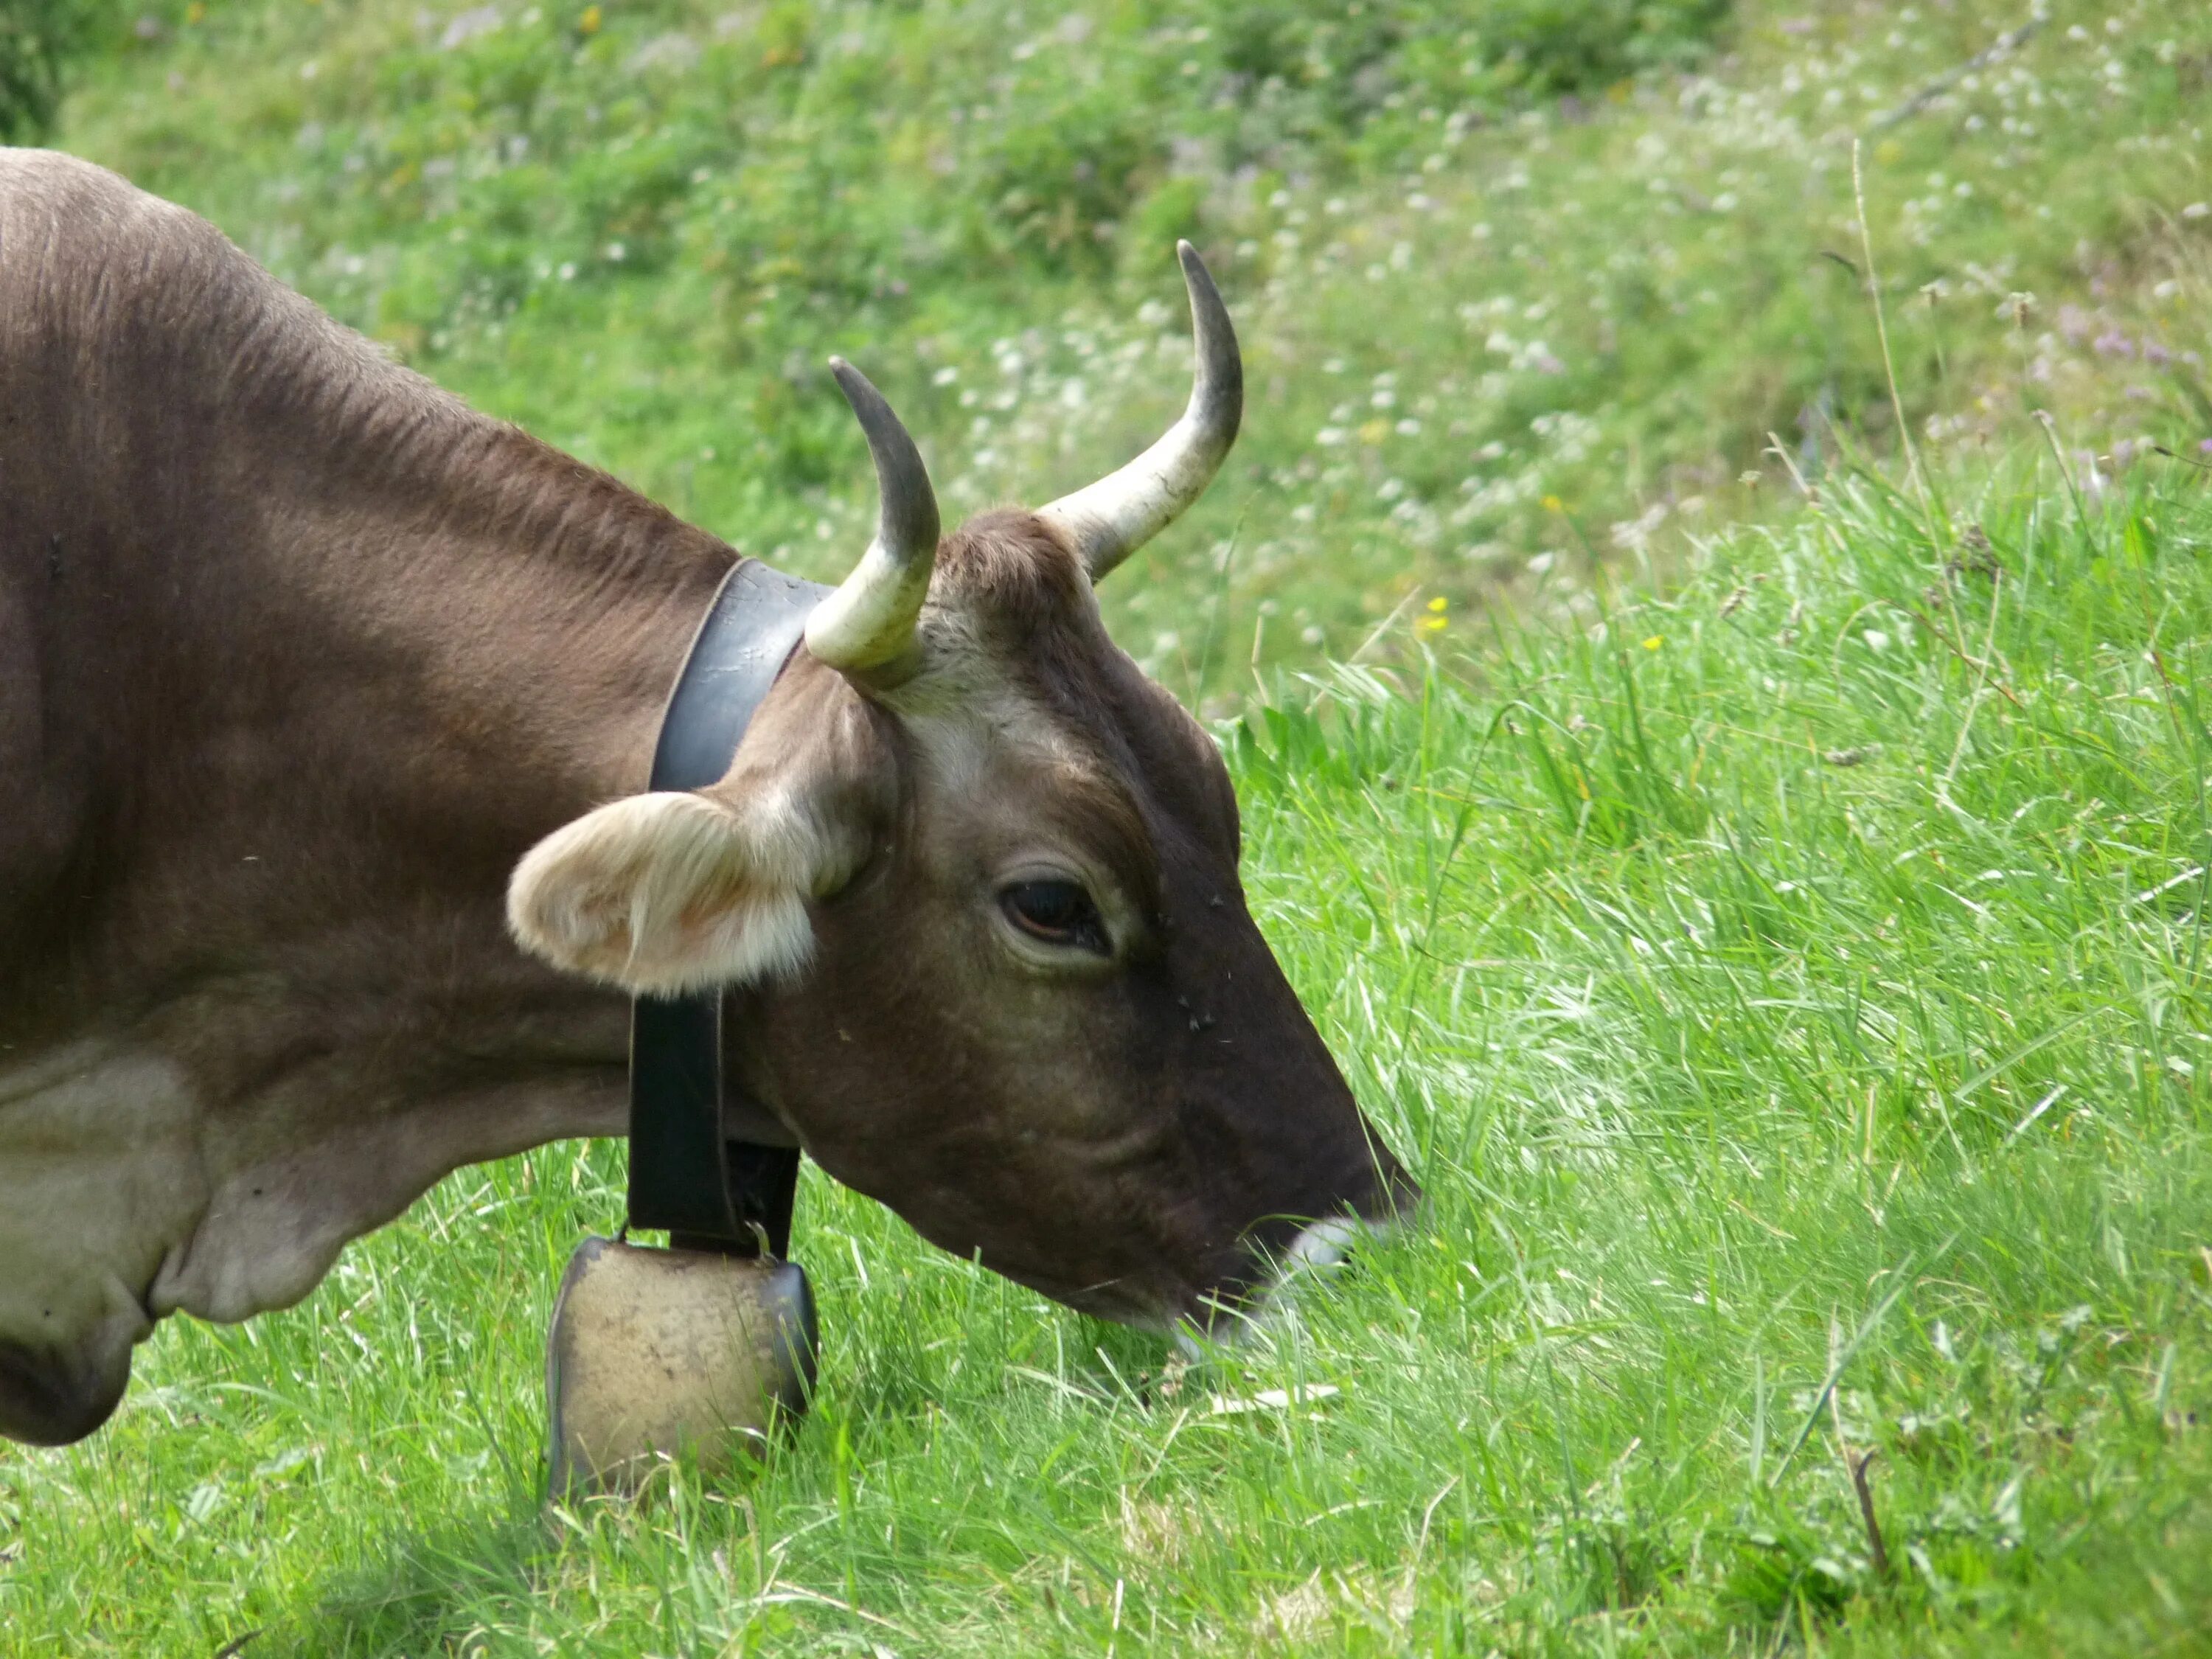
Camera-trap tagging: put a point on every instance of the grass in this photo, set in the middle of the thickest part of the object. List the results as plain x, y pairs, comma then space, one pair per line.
1779, 949
1791, 991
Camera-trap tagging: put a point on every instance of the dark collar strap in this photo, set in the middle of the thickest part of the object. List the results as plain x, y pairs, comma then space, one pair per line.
711, 1166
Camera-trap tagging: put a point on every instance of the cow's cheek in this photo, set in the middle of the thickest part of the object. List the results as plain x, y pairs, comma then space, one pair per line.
994, 1108
874, 1053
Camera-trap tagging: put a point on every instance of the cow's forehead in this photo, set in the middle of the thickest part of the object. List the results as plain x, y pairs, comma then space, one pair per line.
1009, 564
1023, 680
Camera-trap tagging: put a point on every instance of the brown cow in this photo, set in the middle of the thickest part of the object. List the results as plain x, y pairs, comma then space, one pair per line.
301, 660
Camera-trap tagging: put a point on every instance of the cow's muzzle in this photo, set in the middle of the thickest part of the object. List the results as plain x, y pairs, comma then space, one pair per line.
1279, 1276
1284, 1256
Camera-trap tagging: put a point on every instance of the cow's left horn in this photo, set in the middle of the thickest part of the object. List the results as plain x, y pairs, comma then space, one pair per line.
867, 627
1112, 518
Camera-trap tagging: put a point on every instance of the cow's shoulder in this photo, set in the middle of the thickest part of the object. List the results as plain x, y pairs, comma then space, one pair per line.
62, 218
62, 183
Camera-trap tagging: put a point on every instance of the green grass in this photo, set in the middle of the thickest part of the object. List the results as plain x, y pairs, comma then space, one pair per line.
1792, 992
1783, 963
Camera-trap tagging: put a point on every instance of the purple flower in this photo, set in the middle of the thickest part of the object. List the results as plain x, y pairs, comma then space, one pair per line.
2156, 355
2113, 343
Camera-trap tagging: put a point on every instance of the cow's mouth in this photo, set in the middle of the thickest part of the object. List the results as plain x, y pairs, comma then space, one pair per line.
1248, 1310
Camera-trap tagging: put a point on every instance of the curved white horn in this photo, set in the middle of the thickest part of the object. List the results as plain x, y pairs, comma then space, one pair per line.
1112, 518
868, 623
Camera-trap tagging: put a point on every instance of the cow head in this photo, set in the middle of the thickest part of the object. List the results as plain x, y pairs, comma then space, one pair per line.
972, 880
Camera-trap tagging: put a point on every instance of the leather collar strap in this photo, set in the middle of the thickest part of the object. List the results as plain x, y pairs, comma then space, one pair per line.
713, 1167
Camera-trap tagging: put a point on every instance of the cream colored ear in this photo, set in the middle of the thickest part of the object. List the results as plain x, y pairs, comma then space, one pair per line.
663, 892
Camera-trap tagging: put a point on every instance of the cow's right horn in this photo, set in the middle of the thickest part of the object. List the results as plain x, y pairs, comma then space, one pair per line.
1109, 521
867, 627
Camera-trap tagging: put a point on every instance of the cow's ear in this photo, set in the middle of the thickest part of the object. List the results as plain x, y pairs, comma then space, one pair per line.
667, 892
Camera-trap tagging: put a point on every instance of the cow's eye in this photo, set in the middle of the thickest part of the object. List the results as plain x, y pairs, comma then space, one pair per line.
1057, 912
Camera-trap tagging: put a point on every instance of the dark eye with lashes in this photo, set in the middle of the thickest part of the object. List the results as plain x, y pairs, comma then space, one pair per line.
1058, 913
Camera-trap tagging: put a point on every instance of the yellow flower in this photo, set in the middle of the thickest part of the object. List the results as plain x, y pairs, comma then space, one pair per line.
1440, 604
1553, 504
1373, 432
589, 22
1431, 625
1655, 642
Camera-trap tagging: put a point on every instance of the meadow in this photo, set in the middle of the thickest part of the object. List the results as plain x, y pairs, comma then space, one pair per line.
1752, 866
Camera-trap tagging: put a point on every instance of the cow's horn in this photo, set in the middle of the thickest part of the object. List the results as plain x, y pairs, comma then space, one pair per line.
1112, 518
867, 625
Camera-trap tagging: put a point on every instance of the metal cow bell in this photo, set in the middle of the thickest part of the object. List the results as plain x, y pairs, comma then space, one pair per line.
700, 1349
661, 1354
